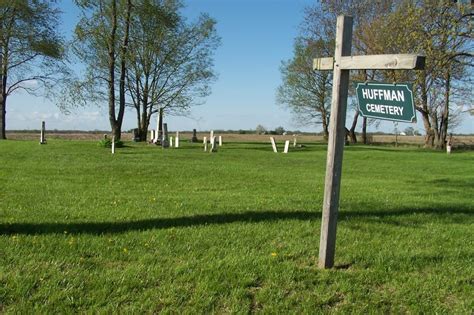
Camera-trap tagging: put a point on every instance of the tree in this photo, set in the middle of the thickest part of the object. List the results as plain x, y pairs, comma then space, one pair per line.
409, 131
279, 130
309, 94
101, 43
260, 130
304, 90
171, 61
438, 29
30, 49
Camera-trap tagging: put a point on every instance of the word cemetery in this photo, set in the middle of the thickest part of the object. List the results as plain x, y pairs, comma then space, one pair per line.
386, 101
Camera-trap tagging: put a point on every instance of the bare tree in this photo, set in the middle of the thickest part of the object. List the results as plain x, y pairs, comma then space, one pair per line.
101, 43
171, 62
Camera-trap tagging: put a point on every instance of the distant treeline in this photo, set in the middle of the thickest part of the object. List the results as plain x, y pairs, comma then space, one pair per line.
239, 131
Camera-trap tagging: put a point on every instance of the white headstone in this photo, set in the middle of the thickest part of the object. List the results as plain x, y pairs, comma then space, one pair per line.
448, 149
211, 135
204, 141
294, 142
176, 142
220, 141
113, 144
273, 145
152, 135
171, 141
287, 145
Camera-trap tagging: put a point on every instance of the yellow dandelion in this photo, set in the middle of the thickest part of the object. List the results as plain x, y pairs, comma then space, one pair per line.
274, 254
125, 250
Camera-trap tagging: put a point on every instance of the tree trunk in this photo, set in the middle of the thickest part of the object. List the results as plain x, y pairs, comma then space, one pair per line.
146, 113
325, 129
3, 114
3, 90
123, 69
364, 131
116, 132
160, 125
443, 128
352, 133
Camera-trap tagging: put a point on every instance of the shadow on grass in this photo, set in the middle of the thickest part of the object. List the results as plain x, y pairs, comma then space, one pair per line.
212, 219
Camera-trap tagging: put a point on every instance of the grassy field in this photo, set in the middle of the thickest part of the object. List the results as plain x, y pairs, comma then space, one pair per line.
181, 230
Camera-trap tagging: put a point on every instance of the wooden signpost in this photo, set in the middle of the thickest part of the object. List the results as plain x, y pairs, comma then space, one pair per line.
341, 64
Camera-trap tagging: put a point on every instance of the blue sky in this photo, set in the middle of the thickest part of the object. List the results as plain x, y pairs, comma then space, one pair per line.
256, 36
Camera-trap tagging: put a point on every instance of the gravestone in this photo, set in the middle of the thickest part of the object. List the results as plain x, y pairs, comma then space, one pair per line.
136, 135
165, 142
176, 142
272, 140
294, 142
42, 136
171, 142
204, 141
220, 141
194, 138
113, 144
287, 145
152, 135
211, 135
213, 145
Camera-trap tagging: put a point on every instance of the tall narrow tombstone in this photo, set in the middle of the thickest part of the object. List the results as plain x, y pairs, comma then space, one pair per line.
152, 135
204, 142
272, 140
294, 142
213, 145
211, 136
194, 138
176, 142
171, 142
220, 141
113, 144
164, 141
287, 145
42, 136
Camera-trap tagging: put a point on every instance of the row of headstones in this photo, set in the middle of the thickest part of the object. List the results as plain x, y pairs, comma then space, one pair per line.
154, 137
213, 141
167, 141
287, 145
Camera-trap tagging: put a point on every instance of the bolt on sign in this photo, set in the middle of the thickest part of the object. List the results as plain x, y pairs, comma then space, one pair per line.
386, 101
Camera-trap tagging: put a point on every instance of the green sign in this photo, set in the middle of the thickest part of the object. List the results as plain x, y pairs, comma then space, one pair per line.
386, 101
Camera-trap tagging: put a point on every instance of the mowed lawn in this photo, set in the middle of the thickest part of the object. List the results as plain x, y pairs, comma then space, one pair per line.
181, 230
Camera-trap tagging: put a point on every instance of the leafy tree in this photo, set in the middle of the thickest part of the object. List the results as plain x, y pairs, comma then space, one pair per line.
409, 131
101, 43
30, 49
437, 29
171, 61
304, 90
260, 130
279, 130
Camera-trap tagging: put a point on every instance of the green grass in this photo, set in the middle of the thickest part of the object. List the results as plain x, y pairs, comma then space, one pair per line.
182, 230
